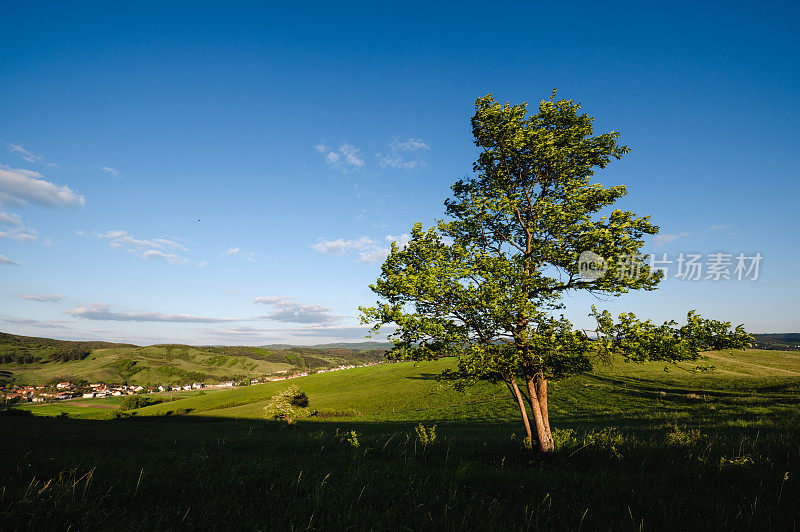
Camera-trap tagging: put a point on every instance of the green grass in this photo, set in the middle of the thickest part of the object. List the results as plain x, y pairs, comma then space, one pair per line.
637, 448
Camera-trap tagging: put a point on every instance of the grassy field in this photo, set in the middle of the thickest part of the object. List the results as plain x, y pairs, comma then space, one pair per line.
637, 447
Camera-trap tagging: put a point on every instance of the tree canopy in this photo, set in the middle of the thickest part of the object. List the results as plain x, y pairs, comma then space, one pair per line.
486, 283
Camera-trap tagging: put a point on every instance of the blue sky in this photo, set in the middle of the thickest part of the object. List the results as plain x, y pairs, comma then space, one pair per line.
186, 173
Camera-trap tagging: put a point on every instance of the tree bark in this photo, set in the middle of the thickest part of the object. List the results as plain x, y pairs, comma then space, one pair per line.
542, 431
521, 403
541, 392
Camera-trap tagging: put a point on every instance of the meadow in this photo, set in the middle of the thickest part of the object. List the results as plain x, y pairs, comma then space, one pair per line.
638, 447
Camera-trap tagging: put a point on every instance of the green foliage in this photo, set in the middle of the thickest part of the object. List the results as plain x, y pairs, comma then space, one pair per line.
127, 368
352, 439
425, 435
288, 404
486, 284
132, 402
640, 341
680, 437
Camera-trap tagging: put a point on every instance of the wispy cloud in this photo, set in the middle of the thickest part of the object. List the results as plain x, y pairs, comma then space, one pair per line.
156, 248
664, 239
28, 155
5, 260
20, 187
53, 324
367, 249
249, 256
43, 297
339, 333
169, 257
242, 334
10, 219
345, 159
112, 171
103, 312
398, 154
290, 311
16, 230
341, 246
718, 227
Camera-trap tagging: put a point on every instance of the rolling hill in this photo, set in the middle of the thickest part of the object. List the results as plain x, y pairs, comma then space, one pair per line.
404, 391
32, 360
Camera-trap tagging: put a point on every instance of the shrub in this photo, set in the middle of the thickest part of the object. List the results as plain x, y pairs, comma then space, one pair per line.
682, 438
288, 404
426, 435
137, 401
352, 439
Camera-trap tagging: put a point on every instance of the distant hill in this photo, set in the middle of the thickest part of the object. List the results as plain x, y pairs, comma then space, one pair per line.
358, 346
778, 341
33, 360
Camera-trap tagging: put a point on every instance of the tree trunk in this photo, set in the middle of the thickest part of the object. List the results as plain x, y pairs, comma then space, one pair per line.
541, 392
540, 417
521, 403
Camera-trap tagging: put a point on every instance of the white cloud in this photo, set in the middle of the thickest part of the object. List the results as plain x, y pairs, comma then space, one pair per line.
402, 240
367, 249
169, 257
10, 219
374, 257
6, 260
341, 246
340, 333
119, 238
54, 324
287, 310
103, 312
346, 158
241, 333
43, 297
20, 187
202, 264
156, 248
249, 256
112, 171
664, 239
395, 157
23, 234
718, 227
29, 156
17, 230
413, 144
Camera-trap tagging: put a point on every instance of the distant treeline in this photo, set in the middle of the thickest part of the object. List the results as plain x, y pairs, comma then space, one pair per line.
305, 357
15, 349
779, 341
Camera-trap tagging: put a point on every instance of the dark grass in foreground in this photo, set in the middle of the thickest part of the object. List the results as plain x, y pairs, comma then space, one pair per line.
732, 463
194, 472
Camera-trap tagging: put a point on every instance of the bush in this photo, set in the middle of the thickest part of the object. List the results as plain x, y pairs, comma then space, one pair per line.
137, 401
288, 404
301, 400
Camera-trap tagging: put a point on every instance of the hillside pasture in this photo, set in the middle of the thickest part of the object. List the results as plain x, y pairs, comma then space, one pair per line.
636, 448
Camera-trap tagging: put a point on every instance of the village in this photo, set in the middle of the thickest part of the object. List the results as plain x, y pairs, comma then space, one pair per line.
66, 390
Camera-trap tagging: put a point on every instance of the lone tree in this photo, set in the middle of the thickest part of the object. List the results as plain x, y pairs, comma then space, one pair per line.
485, 284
